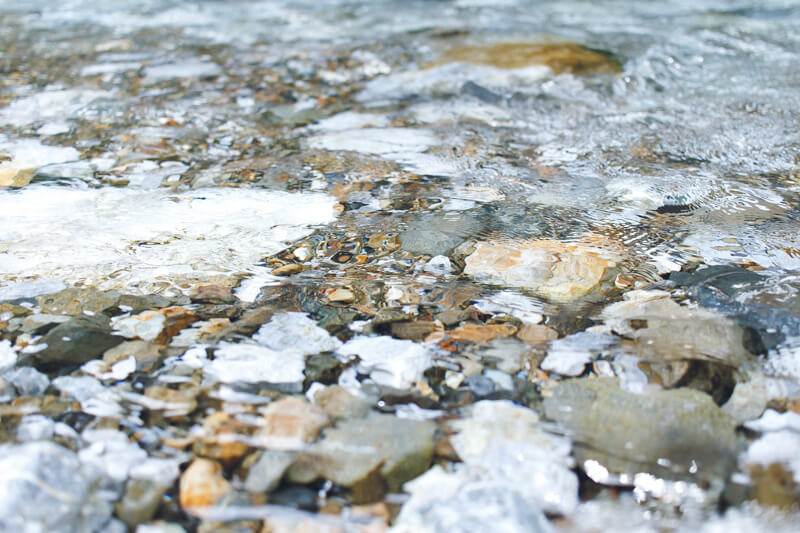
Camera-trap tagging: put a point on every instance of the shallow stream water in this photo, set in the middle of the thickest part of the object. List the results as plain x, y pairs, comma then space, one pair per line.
561, 237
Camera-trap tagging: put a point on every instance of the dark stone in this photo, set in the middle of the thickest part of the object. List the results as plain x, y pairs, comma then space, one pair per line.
481, 93
322, 368
295, 496
78, 340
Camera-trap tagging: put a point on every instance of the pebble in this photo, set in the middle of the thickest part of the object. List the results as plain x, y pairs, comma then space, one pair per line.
202, 484
295, 331
252, 363
223, 438
438, 265
338, 402
290, 423
557, 271
344, 296
140, 501
266, 472
474, 333
536, 334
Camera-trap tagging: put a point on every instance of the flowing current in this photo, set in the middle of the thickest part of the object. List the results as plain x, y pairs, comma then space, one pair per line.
478, 201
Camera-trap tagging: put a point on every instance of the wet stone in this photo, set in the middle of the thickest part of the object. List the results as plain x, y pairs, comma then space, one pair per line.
77, 341
673, 433
266, 472
376, 450
536, 334
202, 484
481, 386
664, 330
290, 423
75, 302
415, 331
28, 381
338, 402
560, 57
557, 271
213, 294
139, 502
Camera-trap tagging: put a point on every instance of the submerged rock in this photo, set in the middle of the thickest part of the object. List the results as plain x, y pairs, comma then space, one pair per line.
666, 331
560, 57
75, 301
372, 454
76, 341
290, 423
670, 433
554, 270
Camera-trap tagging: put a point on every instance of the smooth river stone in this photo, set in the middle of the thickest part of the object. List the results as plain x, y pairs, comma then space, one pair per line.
667, 433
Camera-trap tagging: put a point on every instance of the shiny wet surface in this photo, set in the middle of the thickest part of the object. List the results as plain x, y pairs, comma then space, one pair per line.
524, 192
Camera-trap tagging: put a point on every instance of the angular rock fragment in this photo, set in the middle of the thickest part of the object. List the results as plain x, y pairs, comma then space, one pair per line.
140, 501
505, 443
338, 402
251, 363
443, 502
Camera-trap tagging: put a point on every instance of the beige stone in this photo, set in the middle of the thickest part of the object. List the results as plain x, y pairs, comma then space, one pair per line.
290, 423
202, 484
12, 176
224, 438
474, 333
536, 334
344, 296
555, 270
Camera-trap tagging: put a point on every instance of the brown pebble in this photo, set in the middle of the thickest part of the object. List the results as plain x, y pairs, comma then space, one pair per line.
344, 296
288, 270
536, 334
202, 484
